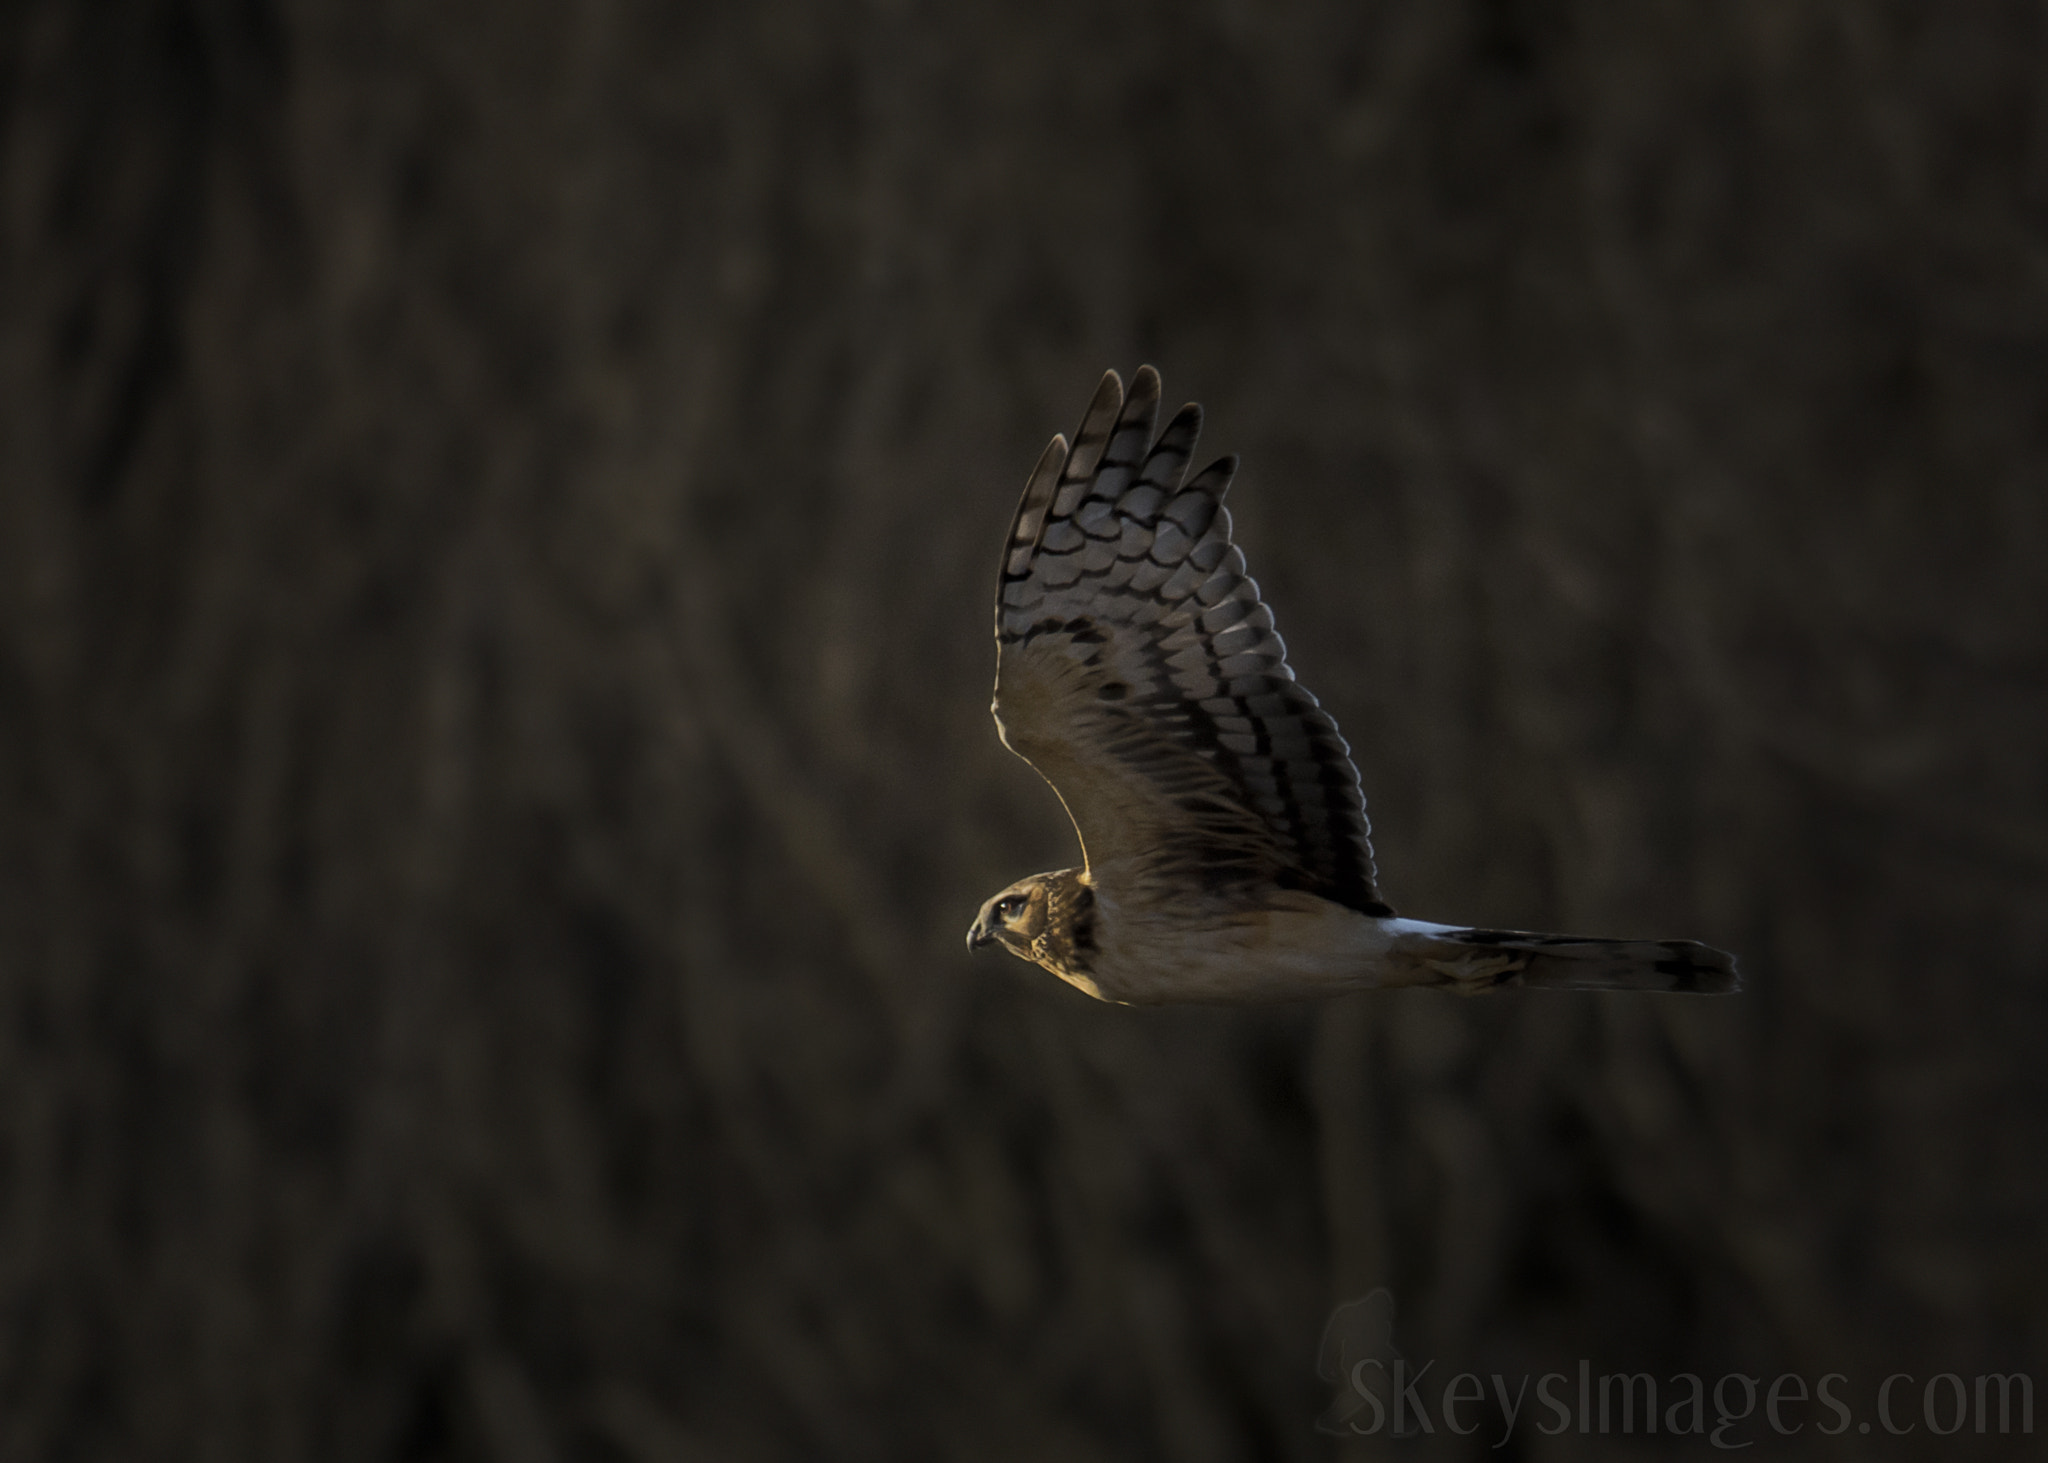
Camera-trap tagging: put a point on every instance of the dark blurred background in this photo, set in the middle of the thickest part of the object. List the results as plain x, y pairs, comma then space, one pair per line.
498, 514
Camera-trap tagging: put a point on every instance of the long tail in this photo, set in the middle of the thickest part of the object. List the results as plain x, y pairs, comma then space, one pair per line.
1472, 961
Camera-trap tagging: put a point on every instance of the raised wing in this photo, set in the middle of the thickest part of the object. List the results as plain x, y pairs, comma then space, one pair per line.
1139, 672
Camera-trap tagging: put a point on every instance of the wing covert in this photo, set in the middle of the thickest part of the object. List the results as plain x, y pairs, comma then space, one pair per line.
1141, 674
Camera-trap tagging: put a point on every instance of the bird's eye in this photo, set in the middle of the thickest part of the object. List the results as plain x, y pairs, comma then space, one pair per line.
1010, 906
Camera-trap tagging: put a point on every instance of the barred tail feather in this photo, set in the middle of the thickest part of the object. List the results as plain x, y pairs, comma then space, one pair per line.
1477, 960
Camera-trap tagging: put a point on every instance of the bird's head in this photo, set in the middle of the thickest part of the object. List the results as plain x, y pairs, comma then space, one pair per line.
1014, 918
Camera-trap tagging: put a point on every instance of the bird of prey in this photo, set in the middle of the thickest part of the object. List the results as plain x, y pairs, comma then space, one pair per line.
1223, 833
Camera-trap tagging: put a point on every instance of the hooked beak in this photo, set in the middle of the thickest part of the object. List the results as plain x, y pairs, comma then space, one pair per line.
978, 937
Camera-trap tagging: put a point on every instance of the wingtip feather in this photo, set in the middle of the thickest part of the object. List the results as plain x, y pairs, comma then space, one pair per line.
1050, 461
1215, 479
1099, 423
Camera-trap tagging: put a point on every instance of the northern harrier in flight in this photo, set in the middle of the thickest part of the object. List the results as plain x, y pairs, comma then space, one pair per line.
1222, 829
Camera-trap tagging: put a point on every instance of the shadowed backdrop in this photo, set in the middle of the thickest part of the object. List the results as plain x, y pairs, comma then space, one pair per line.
499, 508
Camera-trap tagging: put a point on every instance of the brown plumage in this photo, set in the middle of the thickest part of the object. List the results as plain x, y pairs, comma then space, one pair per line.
1227, 855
